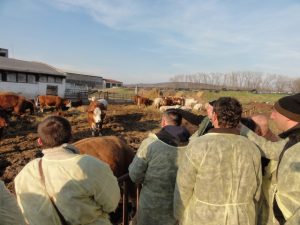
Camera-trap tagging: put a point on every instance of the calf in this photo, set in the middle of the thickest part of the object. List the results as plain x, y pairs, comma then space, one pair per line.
96, 113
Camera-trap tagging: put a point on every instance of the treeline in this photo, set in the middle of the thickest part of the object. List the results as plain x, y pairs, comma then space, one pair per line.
243, 80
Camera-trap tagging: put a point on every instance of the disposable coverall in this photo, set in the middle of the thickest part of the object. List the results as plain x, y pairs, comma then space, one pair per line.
155, 166
10, 213
84, 189
218, 181
287, 190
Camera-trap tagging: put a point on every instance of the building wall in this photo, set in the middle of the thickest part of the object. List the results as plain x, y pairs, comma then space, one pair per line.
32, 90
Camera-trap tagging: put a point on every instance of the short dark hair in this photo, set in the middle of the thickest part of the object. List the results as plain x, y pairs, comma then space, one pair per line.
54, 131
173, 116
229, 112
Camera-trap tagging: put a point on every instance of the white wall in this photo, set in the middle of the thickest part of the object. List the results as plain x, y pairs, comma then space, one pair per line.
31, 90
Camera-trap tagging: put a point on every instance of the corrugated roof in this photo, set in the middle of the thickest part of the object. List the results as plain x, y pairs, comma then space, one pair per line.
112, 81
28, 66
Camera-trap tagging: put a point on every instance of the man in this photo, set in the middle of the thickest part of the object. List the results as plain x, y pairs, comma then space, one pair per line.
219, 179
286, 115
64, 187
155, 167
10, 213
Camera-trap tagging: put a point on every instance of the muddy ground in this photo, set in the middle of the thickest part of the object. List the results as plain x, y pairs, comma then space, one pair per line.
19, 141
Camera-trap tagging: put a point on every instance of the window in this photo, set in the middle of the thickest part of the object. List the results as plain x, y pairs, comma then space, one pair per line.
51, 79
31, 78
43, 78
11, 77
21, 77
58, 80
51, 90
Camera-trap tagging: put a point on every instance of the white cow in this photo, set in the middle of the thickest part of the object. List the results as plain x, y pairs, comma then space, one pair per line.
190, 102
104, 102
198, 106
157, 102
165, 107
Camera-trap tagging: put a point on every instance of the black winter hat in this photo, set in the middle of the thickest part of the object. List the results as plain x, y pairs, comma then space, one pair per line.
289, 107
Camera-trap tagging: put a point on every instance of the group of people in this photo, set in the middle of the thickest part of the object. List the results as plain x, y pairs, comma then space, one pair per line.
225, 173
232, 170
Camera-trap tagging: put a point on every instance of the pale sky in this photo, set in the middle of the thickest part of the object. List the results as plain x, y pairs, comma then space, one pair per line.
150, 41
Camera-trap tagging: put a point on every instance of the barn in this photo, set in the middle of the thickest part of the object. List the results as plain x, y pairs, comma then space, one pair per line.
30, 78
109, 83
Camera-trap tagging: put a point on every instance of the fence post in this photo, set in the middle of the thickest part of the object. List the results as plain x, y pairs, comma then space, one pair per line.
125, 203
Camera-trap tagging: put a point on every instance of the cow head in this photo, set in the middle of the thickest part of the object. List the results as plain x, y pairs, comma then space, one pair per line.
67, 103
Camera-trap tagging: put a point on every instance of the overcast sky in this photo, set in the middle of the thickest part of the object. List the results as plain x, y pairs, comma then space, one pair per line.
152, 40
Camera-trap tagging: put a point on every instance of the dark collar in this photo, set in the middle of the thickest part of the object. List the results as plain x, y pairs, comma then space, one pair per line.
224, 131
293, 130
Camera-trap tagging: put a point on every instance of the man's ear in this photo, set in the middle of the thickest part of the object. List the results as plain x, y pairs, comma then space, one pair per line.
39, 141
163, 122
214, 119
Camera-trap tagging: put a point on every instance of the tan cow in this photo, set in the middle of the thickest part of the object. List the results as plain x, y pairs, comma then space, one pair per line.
52, 100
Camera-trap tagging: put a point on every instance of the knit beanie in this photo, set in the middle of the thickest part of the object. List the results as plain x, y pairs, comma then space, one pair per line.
289, 107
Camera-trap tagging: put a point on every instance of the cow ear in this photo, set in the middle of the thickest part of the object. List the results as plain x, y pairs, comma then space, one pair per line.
39, 141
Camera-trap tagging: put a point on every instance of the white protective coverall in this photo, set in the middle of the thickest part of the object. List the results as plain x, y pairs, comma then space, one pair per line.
84, 189
218, 181
10, 213
266, 216
287, 189
155, 166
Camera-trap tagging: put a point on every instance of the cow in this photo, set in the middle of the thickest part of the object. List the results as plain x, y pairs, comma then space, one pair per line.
16, 103
96, 113
157, 102
178, 101
113, 151
190, 102
166, 107
110, 149
198, 107
52, 100
139, 100
3, 121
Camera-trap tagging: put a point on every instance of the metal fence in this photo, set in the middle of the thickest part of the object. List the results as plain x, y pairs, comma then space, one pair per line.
74, 94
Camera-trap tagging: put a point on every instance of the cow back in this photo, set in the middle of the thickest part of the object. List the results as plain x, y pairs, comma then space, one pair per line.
8, 101
110, 149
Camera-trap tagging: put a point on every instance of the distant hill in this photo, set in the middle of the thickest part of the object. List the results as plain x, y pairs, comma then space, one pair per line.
175, 85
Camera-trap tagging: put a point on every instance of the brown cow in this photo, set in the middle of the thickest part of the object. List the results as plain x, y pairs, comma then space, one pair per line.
96, 113
113, 151
13, 102
139, 100
110, 149
51, 100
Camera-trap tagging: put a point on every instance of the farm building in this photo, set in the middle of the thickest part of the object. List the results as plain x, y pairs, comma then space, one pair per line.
109, 83
30, 78
79, 84
82, 82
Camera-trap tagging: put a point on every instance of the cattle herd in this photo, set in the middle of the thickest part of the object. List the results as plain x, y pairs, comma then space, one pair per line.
11, 103
163, 103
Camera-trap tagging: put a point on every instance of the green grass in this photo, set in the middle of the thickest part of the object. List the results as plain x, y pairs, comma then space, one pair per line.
243, 96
